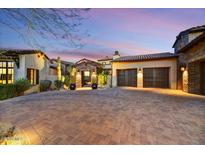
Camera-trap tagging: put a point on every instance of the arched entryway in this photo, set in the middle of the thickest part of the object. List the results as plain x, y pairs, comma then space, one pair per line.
86, 72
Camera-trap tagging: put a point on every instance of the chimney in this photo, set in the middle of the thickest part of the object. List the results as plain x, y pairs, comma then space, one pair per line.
116, 55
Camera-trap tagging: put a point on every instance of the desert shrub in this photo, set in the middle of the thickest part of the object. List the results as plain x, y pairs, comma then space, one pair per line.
58, 84
45, 85
22, 85
7, 91
67, 80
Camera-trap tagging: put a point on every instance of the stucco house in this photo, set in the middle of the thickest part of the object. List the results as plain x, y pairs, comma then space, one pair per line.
33, 65
65, 66
184, 69
106, 62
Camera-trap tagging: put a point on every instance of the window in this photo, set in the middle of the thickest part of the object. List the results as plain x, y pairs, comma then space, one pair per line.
6, 72
33, 76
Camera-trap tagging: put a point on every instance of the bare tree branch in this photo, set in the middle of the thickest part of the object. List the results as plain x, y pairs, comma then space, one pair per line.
61, 25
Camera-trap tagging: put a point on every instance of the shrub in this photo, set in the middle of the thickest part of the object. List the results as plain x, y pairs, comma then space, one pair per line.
7, 91
22, 85
45, 85
67, 80
58, 84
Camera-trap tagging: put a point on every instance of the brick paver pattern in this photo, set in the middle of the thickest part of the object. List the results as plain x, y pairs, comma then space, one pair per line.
110, 116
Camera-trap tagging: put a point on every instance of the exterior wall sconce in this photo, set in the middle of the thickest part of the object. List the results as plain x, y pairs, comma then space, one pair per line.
140, 70
78, 74
183, 68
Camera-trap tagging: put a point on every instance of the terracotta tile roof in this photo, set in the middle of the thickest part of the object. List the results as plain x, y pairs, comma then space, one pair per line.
146, 57
106, 58
13, 52
84, 60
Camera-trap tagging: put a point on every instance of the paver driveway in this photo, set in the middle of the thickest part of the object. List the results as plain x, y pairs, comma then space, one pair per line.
112, 116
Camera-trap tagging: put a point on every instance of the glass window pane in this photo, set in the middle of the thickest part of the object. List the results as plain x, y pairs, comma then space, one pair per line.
9, 76
4, 71
9, 71
4, 64
9, 64
3, 76
1, 64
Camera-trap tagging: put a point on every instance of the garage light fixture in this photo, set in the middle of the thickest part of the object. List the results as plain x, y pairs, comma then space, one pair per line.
183, 68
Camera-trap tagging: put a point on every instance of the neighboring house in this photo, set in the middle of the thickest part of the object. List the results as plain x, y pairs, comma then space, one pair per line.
190, 46
65, 66
152, 70
106, 62
86, 72
17, 64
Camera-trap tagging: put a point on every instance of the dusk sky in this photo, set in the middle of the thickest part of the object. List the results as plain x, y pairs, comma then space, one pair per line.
130, 31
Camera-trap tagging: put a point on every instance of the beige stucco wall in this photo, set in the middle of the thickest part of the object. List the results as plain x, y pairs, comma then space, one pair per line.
171, 63
34, 62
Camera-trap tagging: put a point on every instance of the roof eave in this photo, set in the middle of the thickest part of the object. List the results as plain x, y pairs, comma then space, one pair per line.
151, 59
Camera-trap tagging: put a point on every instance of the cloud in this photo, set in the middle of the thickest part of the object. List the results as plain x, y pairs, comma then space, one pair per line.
75, 55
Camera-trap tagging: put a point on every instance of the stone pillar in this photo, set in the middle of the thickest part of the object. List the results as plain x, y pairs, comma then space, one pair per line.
185, 80
194, 77
59, 68
109, 83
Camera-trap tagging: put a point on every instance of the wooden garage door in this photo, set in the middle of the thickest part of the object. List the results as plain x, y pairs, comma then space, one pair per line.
127, 77
156, 77
203, 78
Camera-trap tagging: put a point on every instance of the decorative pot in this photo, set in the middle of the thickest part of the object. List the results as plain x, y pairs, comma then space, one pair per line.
94, 86
72, 86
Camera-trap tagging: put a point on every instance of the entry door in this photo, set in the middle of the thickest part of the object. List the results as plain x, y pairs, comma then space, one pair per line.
203, 78
127, 77
33, 76
156, 77
86, 78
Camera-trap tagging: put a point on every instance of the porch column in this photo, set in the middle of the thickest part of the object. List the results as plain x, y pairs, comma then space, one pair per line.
78, 79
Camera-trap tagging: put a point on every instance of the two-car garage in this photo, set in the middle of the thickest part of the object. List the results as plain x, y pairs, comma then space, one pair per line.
145, 71
152, 77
